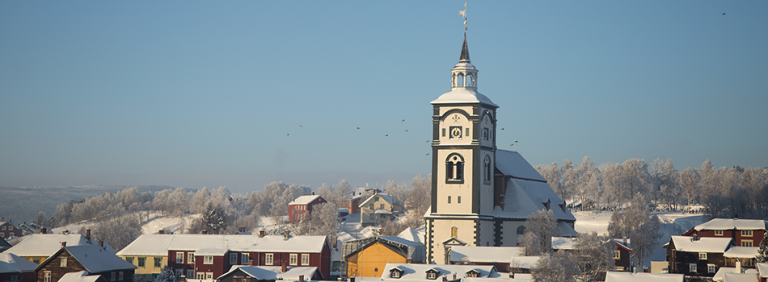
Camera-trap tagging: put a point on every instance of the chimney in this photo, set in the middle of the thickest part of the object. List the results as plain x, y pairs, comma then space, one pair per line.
335, 242
261, 233
454, 276
738, 266
43, 230
88, 234
351, 279
204, 232
625, 240
63, 244
182, 278
101, 243
161, 231
287, 234
313, 193
64, 232
695, 237
445, 278
250, 262
283, 266
301, 278
736, 216
409, 261
512, 274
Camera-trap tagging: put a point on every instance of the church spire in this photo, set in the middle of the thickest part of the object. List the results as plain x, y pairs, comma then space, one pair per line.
464, 51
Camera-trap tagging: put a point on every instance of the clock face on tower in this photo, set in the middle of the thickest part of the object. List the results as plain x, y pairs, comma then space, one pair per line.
455, 132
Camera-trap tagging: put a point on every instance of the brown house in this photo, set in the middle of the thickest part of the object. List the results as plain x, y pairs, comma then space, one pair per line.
96, 260
15, 268
621, 253
697, 257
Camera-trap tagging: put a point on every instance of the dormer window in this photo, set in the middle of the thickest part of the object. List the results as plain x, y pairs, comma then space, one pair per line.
432, 274
472, 273
395, 273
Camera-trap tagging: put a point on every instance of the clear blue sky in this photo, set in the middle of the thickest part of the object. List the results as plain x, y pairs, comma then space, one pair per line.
201, 93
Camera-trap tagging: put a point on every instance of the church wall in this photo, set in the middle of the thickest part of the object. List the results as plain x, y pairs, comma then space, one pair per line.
487, 122
456, 118
486, 188
487, 233
454, 190
442, 231
509, 237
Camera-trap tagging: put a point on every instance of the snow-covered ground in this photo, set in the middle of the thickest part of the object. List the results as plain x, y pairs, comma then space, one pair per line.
672, 223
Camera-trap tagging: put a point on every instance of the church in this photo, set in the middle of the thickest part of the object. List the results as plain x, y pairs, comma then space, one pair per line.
481, 196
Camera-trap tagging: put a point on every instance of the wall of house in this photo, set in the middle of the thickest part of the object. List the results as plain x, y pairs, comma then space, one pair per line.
7, 230
149, 265
367, 212
370, 262
57, 271
21, 277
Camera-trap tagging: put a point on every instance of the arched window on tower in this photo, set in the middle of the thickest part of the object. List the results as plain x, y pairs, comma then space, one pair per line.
454, 232
454, 168
453, 80
461, 80
521, 230
470, 80
487, 169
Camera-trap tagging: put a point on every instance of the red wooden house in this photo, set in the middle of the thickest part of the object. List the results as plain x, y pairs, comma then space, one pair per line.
201, 256
16, 268
744, 232
302, 207
9, 230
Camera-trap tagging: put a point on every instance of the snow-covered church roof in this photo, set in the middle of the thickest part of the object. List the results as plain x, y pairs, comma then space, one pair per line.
463, 96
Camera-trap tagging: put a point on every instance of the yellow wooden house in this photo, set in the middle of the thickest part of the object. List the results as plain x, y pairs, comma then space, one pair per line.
149, 253
368, 257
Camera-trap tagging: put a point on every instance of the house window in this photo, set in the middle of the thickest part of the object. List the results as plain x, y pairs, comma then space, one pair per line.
487, 168
454, 168
120, 276
431, 275
63, 262
158, 261
47, 276
304, 259
232, 258
268, 259
244, 258
395, 274
711, 268
112, 276
692, 267
381, 206
703, 256
209, 275
458, 199
191, 257
14, 278
129, 259
190, 273
616, 254
471, 274
179, 257
485, 133
718, 232
521, 230
746, 243
201, 276
747, 233
208, 260
443, 132
2, 228
142, 261
449, 199
748, 262
294, 259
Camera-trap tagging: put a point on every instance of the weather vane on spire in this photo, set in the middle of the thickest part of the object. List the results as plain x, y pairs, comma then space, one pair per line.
464, 14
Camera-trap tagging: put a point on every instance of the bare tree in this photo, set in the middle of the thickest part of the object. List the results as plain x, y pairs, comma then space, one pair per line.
593, 256
554, 176
637, 224
689, 180
543, 225
557, 267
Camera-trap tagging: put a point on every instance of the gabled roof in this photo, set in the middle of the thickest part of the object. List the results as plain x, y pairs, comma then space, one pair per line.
741, 252
10, 263
274, 272
730, 223
44, 245
414, 235
484, 254
620, 243
93, 258
80, 276
418, 271
703, 244
513, 164
303, 200
525, 197
740, 277
762, 268
385, 197
563, 243
11, 223
414, 250
162, 243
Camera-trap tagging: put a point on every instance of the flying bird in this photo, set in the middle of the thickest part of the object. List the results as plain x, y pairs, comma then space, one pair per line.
427, 141
723, 14
288, 134
301, 125
358, 127
502, 128
403, 120
427, 154
406, 130
386, 134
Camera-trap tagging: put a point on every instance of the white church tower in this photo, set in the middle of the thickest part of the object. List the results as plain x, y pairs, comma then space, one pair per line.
463, 162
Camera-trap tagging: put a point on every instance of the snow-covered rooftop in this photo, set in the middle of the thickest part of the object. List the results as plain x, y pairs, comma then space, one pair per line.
483, 254
303, 200
386, 197
513, 164
730, 223
762, 268
703, 244
44, 245
10, 263
211, 251
523, 262
563, 243
275, 272
642, 277
524, 197
80, 276
162, 243
741, 252
741, 277
411, 234
419, 271
463, 95
98, 259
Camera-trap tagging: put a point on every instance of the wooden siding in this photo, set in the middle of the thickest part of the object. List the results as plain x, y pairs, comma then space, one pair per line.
370, 261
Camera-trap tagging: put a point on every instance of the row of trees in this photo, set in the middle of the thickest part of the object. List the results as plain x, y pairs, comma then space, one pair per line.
723, 192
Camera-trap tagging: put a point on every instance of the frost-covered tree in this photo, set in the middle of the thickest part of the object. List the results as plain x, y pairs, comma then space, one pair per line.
588, 183
543, 225
118, 232
762, 251
199, 201
41, 219
613, 183
420, 195
666, 182
557, 267
689, 181
636, 224
325, 219
214, 218
166, 275
570, 180
398, 192
635, 177
554, 176
593, 256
